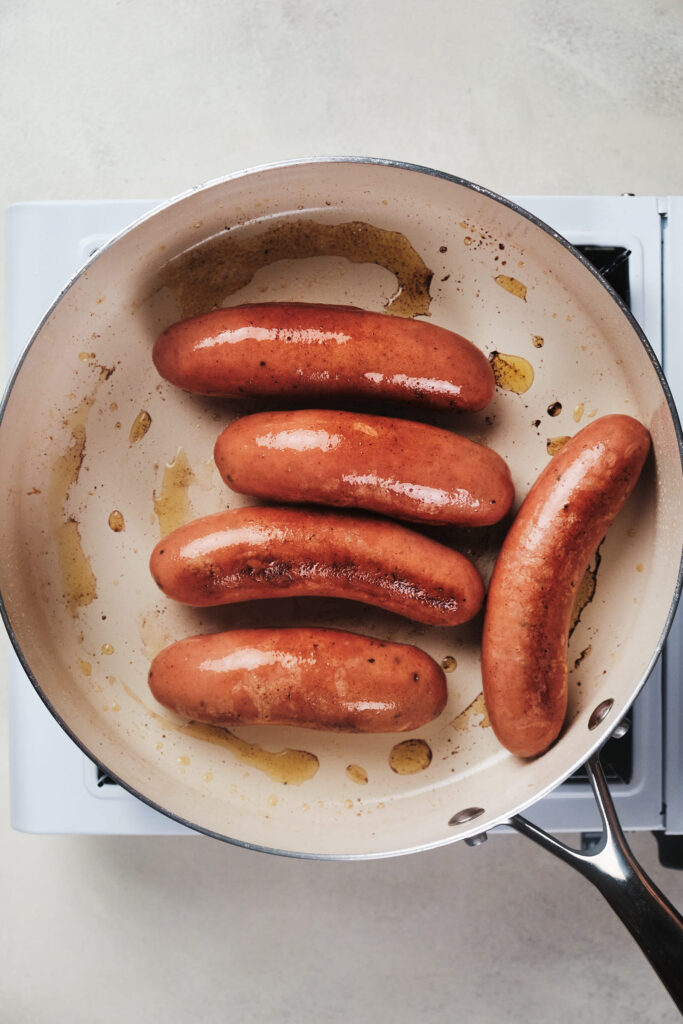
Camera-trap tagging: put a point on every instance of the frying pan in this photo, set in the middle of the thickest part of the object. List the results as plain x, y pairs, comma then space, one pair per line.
100, 458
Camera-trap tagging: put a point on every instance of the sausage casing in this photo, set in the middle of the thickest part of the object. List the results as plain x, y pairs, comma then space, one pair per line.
397, 467
250, 553
275, 349
315, 678
534, 584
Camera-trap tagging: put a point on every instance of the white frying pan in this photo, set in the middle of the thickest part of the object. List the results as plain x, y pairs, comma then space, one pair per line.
99, 457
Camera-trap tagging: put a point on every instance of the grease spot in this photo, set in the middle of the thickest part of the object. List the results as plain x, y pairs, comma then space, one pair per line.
512, 373
202, 277
172, 504
116, 521
554, 445
139, 426
78, 579
584, 654
512, 285
357, 774
585, 591
410, 757
474, 714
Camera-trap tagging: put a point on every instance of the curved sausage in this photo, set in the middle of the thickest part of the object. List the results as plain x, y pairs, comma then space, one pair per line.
397, 467
558, 528
302, 349
250, 553
315, 678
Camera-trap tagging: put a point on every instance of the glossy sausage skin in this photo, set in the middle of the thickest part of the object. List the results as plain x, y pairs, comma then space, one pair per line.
314, 678
531, 597
251, 553
301, 349
397, 467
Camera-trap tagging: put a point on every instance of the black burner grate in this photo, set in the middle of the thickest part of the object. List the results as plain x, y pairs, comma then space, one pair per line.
612, 262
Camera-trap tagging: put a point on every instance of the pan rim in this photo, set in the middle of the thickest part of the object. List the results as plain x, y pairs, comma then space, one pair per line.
520, 211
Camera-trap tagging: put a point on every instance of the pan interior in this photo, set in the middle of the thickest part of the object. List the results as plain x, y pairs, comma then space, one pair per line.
102, 457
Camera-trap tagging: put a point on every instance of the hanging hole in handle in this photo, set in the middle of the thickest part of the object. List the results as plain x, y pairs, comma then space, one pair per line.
465, 815
600, 713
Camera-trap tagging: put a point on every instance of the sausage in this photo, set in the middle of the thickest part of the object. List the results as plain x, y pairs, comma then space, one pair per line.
314, 678
250, 553
397, 467
303, 349
533, 588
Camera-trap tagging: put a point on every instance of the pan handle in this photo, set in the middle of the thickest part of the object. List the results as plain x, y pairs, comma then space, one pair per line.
653, 922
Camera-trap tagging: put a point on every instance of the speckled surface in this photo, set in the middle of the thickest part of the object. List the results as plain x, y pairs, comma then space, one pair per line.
130, 100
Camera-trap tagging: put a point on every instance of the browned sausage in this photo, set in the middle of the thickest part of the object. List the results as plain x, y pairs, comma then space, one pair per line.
397, 467
315, 678
275, 349
558, 528
251, 553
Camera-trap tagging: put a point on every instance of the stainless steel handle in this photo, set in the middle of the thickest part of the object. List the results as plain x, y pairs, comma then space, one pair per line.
653, 922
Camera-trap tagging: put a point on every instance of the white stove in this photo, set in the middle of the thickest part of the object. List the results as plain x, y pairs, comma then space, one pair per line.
638, 241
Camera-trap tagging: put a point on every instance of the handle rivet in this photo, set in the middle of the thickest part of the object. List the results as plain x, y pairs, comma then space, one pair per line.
465, 815
476, 840
600, 713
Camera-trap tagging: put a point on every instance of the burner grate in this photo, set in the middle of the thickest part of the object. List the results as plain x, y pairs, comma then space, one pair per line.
611, 261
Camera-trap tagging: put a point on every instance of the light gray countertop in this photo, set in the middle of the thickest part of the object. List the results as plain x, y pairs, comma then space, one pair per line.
112, 99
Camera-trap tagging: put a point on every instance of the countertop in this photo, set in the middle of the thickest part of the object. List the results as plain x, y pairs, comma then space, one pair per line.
111, 99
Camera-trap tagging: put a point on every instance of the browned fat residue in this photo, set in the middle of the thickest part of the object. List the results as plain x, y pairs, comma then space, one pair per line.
578, 412
139, 426
554, 409
89, 357
449, 664
410, 757
585, 591
537, 341
554, 445
512, 373
357, 774
475, 713
116, 521
78, 579
584, 654
512, 285
204, 276
172, 504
